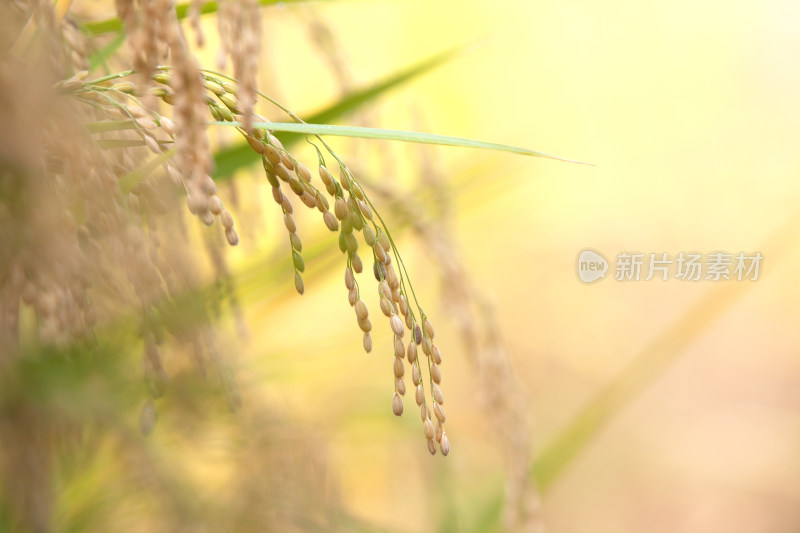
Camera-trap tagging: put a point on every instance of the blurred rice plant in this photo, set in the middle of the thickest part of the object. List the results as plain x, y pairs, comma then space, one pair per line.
121, 317
118, 312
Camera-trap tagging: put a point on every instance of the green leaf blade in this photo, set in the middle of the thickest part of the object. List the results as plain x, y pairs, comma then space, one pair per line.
101, 56
129, 181
356, 99
396, 135
232, 158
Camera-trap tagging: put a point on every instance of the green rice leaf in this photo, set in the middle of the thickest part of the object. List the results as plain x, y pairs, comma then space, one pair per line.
356, 99
230, 159
395, 135
135, 177
102, 55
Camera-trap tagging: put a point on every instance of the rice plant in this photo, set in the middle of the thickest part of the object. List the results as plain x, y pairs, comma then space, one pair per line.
99, 260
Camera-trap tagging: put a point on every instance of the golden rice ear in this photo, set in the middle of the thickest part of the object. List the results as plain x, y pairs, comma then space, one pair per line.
330, 221
386, 307
438, 410
438, 397
272, 154
361, 310
340, 209
297, 244
444, 445
367, 342
428, 327
436, 374
302, 172
399, 347
436, 354
355, 260
427, 427
232, 236
399, 368
397, 404
194, 94
397, 325
349, 279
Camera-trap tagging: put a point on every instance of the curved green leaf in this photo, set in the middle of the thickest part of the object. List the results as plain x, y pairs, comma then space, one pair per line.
129, 181
230, 159
356, 99
99, 57
395, 135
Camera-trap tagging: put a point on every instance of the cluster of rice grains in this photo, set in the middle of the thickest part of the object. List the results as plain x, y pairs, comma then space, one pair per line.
124, 212
352, 215
355, 217
92, 177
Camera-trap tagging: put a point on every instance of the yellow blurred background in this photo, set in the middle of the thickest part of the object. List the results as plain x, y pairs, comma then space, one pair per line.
688, 112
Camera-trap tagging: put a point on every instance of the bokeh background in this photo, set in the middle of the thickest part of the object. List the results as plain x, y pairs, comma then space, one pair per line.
686, 394
650, 406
